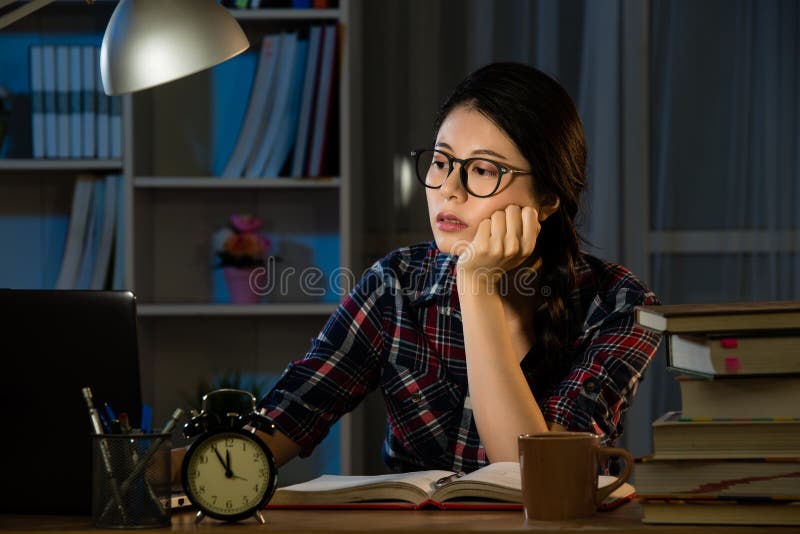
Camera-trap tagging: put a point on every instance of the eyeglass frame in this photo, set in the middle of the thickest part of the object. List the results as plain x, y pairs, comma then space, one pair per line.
502, 169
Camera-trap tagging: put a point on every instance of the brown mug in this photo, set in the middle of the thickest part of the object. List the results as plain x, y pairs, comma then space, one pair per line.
559, 474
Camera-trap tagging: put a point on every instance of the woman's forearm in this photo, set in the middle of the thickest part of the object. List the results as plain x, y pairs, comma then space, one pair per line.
502, 402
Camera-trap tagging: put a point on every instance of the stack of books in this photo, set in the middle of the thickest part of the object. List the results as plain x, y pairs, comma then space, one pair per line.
732, 454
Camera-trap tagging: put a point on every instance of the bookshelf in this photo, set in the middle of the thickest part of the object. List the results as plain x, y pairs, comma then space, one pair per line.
173, 202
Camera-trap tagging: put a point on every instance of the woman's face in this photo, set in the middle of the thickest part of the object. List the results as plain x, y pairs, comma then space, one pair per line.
454, 214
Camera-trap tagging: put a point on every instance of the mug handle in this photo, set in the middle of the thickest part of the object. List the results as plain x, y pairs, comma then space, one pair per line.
604, 453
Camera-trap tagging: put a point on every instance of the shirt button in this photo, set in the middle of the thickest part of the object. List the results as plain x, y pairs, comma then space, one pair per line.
416, 397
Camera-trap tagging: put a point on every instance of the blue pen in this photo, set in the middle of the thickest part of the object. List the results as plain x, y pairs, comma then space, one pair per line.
109, 412
147, 419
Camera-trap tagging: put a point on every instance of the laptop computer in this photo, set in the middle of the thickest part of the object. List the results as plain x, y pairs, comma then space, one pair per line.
52, 344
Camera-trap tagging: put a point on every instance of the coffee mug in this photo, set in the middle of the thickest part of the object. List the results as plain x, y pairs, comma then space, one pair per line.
559, 474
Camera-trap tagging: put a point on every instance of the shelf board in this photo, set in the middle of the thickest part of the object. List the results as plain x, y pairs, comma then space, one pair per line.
190, 182
187, 310
60, 165
283, 14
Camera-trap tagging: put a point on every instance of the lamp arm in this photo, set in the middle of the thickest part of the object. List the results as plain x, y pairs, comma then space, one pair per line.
23, 10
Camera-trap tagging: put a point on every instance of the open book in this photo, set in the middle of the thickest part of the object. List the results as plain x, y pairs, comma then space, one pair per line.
494, 487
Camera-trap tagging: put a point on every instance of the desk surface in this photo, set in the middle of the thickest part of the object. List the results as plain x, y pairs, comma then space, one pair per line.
626, 519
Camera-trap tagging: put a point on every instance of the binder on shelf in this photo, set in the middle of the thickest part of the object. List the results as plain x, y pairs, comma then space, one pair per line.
88, 100
277, 108
106, 234
103, 124
115, 126
307, 102
76, 232
75, 111
92, 241
291, 115
323, 101
259, 98
37, 101
49, 94
62, 101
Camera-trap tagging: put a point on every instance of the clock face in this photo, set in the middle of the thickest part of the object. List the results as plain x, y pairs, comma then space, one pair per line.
229, 474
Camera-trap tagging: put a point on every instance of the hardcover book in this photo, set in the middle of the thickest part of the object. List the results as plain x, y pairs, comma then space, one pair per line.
728, 355
676, 437
733, 317
494, 487
740, 397
704, 479
720, 512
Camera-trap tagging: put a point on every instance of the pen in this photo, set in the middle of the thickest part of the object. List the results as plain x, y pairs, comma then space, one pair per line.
147, 418
449, 478
109, 412
104, 452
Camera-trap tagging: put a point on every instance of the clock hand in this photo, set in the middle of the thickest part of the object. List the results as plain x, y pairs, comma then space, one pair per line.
228, 461
228, 472
219, 456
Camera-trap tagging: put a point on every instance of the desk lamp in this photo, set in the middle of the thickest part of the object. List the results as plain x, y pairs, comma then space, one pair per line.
151, 42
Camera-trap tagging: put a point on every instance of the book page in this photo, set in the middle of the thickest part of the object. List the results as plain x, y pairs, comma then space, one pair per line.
499, 481
502, 481
339, 489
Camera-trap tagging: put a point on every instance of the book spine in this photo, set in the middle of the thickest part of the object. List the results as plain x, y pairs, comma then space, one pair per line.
263, 165
103, 125
62, 102
322, 109
307, 102
37, 102
88, 101
115, 126
49, 90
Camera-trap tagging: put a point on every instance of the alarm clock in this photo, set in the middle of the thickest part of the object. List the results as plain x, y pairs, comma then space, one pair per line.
228, 473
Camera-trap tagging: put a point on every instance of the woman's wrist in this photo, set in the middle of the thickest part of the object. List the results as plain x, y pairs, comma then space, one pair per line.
475, 285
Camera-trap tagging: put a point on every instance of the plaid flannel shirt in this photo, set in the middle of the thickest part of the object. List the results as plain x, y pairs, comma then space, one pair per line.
400, 330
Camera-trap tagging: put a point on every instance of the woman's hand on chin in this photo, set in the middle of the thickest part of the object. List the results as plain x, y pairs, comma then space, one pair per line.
501, 243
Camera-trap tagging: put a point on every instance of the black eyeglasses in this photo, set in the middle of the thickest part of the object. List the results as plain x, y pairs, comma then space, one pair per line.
479, 176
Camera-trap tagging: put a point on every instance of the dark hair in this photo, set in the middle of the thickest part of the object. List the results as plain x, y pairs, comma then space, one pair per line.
541, 119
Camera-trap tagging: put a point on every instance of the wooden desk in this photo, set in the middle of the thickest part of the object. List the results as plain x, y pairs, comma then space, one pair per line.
626, 520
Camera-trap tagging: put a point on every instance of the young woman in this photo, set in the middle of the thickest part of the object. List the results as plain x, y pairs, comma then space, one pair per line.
500, 326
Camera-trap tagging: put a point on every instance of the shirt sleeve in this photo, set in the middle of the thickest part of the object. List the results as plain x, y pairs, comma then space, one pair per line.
601, 384
337, 372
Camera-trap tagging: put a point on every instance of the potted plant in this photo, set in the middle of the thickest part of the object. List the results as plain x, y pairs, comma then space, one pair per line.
243, 250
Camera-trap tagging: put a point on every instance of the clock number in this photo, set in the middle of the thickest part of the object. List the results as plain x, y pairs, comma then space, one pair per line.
255, 456
244, 446
245, 500
213, 499
201, 489
263, 471
228, 443
203, 459
229, 504
256, 488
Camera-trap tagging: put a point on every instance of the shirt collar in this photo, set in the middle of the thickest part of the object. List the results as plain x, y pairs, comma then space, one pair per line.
437, 281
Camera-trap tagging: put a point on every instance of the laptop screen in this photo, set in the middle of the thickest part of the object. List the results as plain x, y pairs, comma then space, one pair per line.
53, 344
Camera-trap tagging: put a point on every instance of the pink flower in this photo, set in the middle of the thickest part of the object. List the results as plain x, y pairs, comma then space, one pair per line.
266, 243
244, 223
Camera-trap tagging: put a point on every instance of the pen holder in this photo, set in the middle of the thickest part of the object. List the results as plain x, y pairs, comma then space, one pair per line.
131, 480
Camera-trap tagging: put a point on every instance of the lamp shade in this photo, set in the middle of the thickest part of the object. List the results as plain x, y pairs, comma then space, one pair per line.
150, 42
